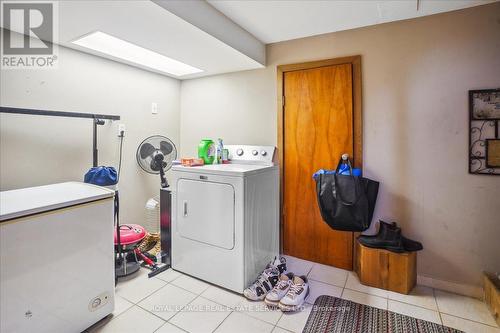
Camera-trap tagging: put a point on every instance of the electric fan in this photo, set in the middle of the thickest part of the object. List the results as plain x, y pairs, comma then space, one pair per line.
155, 155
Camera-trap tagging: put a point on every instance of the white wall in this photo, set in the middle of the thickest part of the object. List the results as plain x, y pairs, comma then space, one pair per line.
38, 150
416, 75
235, 107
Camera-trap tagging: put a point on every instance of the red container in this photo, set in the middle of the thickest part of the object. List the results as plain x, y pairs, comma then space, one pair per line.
130, 234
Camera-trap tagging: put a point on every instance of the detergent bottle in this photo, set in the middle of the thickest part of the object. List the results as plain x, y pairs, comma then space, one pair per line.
206, 151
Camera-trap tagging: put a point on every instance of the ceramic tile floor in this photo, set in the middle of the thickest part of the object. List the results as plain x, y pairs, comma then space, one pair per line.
174, 302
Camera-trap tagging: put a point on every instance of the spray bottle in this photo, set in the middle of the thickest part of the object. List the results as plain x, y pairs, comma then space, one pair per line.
218, 152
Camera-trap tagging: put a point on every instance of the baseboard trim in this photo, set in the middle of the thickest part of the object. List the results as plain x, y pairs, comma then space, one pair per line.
454, 287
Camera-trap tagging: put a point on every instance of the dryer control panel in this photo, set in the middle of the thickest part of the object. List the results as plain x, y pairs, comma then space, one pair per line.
252, 154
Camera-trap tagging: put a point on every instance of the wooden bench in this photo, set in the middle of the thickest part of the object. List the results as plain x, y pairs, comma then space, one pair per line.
492, 294
386, 270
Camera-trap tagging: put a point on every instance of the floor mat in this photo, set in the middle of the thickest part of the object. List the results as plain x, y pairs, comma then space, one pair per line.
335, 315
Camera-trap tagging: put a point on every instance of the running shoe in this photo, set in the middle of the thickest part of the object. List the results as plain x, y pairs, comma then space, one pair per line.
296, 295
266, 280
280, 290
263, 284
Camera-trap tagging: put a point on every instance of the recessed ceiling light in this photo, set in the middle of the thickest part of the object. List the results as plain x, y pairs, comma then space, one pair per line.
118, 48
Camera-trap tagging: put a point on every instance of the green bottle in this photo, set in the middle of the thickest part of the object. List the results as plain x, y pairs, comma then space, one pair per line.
206, 151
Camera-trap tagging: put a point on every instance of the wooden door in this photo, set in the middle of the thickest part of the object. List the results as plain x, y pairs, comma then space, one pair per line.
318, 127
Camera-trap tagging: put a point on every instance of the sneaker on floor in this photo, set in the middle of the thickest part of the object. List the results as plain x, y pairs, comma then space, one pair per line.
279, 291
294, 298
278, 262
264, 283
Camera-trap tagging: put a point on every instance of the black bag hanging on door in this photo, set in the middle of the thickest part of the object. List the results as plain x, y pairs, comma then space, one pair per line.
346, 202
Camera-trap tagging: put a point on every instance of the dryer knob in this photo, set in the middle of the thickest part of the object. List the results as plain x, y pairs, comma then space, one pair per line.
239, 152
263, 152
255, 152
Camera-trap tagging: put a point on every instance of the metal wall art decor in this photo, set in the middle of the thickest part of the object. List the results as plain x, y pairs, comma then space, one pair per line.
484, 136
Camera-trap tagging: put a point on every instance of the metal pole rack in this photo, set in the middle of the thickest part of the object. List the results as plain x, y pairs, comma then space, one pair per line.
97, 119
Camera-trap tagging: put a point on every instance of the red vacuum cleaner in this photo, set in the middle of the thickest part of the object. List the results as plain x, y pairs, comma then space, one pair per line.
154, 267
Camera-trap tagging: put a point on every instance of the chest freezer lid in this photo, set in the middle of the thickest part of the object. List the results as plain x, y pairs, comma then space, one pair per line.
39, 199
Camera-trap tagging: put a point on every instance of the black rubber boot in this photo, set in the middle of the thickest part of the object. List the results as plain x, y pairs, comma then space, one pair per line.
411, 245
408, 244
388, 238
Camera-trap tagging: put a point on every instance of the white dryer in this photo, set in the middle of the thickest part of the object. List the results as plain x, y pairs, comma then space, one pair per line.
225, 217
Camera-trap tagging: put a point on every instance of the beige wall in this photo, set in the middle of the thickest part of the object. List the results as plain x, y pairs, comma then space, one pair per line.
416, 75
42, 150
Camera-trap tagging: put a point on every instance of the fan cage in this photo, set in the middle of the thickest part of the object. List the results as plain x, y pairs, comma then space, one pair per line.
154, 141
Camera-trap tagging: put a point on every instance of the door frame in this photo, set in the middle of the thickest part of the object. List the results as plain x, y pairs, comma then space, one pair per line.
357, 159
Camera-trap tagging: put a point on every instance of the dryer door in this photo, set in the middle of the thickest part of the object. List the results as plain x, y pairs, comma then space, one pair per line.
205, 212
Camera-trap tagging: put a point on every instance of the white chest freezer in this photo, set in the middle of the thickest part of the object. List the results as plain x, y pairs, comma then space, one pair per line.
56, 257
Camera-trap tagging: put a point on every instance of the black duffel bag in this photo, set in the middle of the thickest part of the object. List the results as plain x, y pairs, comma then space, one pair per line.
346, 202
